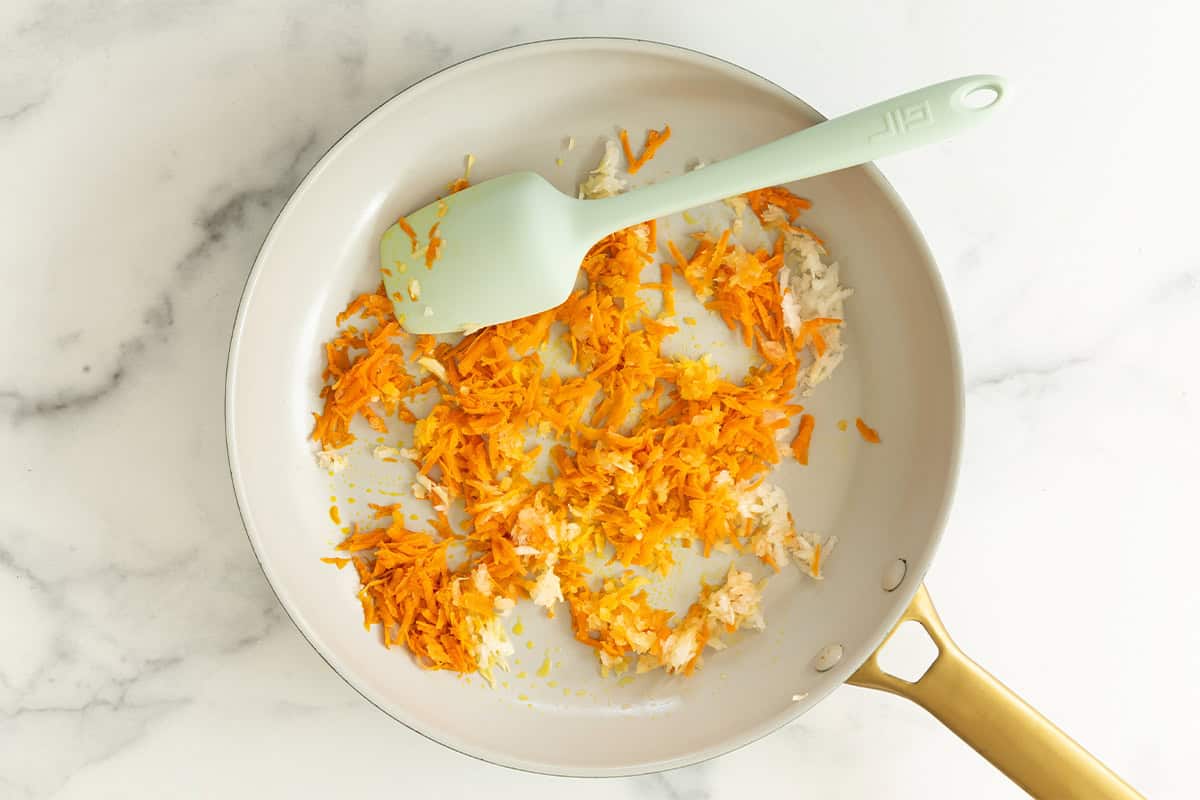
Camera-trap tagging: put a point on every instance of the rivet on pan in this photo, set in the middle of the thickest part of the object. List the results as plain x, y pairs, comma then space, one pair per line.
893, 574
828, 657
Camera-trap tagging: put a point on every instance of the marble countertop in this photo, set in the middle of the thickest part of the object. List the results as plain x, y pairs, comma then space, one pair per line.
145, 148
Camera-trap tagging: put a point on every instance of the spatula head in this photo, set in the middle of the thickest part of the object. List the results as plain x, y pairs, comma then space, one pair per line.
501, 250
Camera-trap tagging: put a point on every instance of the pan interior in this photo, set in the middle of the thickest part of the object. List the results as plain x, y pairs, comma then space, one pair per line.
514, 110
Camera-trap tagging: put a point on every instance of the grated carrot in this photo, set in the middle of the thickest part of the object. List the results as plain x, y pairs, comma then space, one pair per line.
668, 289
645, 450
803, 438
434, 249
408, 231
465, 181
624, 137
779, 197
654, 140
868, 433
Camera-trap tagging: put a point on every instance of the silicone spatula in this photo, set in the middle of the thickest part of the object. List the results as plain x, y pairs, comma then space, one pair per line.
511, 246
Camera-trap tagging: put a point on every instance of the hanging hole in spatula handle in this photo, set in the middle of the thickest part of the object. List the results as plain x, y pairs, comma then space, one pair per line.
977, 98
927, 115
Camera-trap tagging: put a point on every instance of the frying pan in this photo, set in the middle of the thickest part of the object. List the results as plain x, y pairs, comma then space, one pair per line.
517, 109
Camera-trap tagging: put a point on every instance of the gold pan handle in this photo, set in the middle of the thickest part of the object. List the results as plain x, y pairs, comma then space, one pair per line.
1005, 730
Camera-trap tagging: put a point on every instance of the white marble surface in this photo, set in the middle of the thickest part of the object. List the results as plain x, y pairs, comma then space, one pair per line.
145, 148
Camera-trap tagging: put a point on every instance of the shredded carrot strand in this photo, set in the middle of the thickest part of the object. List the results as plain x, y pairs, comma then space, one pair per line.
624, 137
668, 289
654, 140
408, 231
433, 250
779, 197
803, 438
867, 432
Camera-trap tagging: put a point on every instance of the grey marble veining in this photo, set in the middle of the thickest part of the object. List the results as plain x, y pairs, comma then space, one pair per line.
146, 147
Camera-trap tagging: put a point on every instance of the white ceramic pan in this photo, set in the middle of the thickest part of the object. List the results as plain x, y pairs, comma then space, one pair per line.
514, 109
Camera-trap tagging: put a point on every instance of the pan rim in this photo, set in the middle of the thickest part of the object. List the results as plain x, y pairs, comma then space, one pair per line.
852, 659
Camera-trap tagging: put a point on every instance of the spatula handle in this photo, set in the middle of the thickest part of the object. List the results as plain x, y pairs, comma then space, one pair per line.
918, 118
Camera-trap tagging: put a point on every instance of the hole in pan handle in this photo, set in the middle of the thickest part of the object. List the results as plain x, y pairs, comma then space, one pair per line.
984, 713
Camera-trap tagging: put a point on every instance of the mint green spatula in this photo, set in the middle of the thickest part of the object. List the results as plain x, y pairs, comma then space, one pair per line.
511, 246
